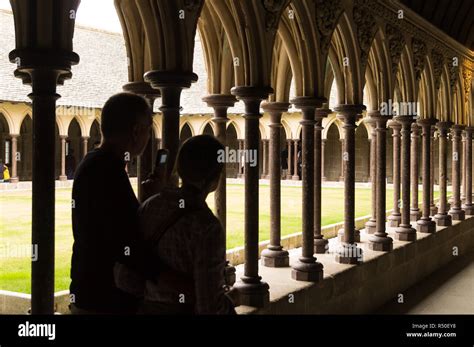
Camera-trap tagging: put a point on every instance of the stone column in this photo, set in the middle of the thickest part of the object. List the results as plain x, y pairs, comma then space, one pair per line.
463, 168
253, 292
220, 104
275, 255
341, 178
371, 224
415, 212
295, 176
265, 159
323, 165
241, 167
442, 217
396, 217
63, 176
433, 208
468, 206
404, 231
14, 175
170, 85
349, 253
380, 241
290, 161
456, 212
307, 268
320, 243
85, 140
425, 224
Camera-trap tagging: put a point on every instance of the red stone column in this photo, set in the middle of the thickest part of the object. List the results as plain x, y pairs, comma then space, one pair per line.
380, 241
320, 243
253, 292
295, 176
425, 224
349, 253
265, 159
323, 165
456, 212
275, 255
290, 161
63, 176
433, 208
442, 217
415, 212
468, 206
307, 268
371, 224
341, 178
85, 140
405, 232
396, 217
14, 174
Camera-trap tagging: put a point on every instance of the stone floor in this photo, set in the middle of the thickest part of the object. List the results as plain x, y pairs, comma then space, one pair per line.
450, 290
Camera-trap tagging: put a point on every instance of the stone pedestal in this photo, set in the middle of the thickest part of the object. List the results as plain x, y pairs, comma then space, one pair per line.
442, 218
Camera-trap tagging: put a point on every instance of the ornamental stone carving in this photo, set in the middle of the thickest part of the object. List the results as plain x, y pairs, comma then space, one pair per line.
438, 62
396, 41
327, 15
419, 53
366, 27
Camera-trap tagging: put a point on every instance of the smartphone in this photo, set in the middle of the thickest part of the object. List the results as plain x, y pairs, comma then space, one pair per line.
161, 162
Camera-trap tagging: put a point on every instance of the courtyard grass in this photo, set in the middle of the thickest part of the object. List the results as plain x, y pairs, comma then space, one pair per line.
15, 225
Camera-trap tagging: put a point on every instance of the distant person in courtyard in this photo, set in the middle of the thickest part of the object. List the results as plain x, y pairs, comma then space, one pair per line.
104, 213
284, 162
2, 169
70, 164
6, 173
187, 248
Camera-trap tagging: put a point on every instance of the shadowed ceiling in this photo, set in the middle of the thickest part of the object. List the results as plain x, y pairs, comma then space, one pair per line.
454, 17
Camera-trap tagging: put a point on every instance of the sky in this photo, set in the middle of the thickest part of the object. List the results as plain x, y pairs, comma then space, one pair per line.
98, 14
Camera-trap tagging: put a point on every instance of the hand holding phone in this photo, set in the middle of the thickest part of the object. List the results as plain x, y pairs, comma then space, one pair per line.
157, 180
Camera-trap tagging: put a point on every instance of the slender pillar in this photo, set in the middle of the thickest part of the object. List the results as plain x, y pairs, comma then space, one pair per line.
341, 178
290, 161
253, 292
442, 218
405, 232
463, 168
307, 268
468, 206
349, 253
371, 224
323, 164
241, 165
433, 208
14, 175
220, 104
320, 243
62, 176
415, 212
265, 159
380, 241
295, 176
275, 255
85, 140
456, 212
425, 224
170, 84
396, 217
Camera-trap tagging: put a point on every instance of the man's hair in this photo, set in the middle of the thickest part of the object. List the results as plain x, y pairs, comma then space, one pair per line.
198, 160
121, 113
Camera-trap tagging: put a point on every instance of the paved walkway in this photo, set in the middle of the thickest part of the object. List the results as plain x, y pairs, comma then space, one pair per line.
449, 290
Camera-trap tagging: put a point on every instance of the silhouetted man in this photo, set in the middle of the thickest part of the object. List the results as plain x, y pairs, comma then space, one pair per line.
104, 211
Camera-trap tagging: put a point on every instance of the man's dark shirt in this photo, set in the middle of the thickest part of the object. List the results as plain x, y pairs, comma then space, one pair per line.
104, 221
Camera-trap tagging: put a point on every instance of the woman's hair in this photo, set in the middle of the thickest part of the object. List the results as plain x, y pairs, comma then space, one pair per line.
198, 160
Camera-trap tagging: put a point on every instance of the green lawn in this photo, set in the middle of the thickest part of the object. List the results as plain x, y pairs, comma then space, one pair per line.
15, 225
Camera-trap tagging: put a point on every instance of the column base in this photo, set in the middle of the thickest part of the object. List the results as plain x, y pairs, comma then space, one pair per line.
275, 258
308, 270
253, 292
405, 232
229, 274
443, 220
340, 235
380, 244
468, 209
395, 219
321, 246
433, 210
371, 226
63, 178
295, 178
415, 214
457, 213
349, 254
426, 225
14, 180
